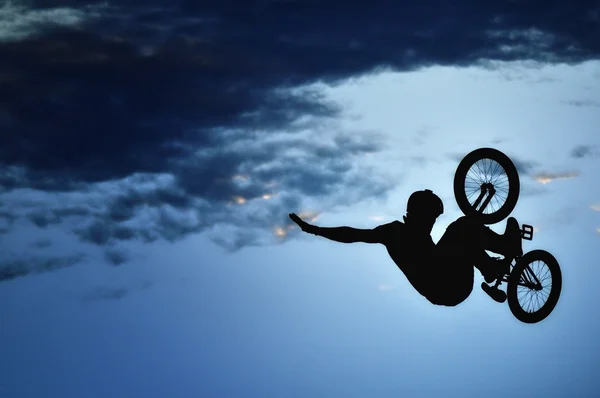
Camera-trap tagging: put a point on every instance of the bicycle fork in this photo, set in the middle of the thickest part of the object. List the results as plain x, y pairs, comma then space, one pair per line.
485, 188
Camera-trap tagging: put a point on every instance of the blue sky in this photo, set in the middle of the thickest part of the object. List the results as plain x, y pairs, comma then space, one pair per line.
151, 152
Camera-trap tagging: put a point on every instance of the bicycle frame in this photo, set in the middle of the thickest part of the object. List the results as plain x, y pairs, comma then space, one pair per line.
528, 279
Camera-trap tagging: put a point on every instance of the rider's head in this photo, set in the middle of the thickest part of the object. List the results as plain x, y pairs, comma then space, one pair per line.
423, 208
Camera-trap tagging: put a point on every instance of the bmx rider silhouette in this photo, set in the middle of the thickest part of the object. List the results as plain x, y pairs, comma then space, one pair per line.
443, 272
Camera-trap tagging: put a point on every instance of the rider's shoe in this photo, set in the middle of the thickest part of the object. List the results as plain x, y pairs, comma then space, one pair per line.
495, 293
512, 234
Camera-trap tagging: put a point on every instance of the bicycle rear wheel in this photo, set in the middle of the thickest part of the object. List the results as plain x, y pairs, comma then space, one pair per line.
534, 286
492, 168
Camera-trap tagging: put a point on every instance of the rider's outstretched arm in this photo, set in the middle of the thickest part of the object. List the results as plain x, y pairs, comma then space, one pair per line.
339, 234
347, 234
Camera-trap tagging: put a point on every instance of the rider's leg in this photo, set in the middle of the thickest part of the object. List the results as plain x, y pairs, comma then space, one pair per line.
470, 239
509, 244
448, 280
458, 243
478, 236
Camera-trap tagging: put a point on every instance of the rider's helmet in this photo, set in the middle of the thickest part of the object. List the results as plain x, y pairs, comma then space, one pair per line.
424, 204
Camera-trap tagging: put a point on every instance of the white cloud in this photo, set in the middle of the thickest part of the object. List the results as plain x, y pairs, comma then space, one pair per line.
18, 22
595, 206
529, 40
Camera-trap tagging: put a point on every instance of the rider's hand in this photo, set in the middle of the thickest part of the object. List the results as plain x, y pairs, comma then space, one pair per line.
306, 227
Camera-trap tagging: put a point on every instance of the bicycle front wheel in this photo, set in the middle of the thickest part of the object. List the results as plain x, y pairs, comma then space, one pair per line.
489, 167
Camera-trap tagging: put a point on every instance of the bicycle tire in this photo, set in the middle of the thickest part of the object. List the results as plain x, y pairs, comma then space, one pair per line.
513, 283
460, 177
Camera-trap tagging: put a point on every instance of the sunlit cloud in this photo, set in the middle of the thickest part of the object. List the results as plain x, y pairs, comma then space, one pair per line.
598, 230
545, 178
239, 200
241, 180
309, 216
280, 232
376, 218
595, 207
240, 177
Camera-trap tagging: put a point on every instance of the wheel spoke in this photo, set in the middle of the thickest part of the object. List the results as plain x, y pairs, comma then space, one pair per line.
480, 172
487, 171
490, 169
533, 300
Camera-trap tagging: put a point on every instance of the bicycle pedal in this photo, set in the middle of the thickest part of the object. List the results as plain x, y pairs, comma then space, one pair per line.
527, 232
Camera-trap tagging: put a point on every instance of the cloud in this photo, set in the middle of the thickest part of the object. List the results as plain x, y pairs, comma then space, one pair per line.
595, 207
251, 186
587, 103
132, 122
115, 256
524, 167
18, 22
582, 151
209, 71
114, 293
545, 178
529, 168
18, 267
6, 220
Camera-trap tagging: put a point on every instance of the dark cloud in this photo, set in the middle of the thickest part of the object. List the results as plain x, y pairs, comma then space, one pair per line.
14, 268
111, 293
524, 167
266, 187
582, 151
139, 85
583, 103
6, 220
43, 217
124, 97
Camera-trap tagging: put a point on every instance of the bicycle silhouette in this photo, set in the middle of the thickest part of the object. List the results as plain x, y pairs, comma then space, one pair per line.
483, 178
486, 189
